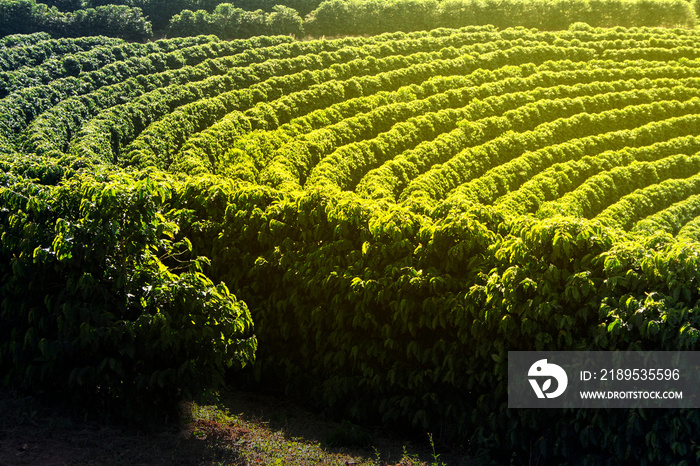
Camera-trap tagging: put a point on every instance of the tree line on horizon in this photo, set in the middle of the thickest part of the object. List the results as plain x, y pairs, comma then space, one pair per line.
140, 20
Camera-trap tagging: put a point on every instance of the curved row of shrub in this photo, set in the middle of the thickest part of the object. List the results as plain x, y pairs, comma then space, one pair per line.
552, 173
24, 105
111, 50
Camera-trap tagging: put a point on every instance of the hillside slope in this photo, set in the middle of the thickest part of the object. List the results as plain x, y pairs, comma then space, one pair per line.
397, 212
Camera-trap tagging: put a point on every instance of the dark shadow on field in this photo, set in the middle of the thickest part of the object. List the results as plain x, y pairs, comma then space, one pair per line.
32, 433
37, 433
364, 443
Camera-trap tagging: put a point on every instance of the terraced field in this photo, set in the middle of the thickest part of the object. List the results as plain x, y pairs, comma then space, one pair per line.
397, 212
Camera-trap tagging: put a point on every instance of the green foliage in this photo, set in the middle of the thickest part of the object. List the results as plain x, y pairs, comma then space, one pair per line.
110, 20
161, 12
66, 5
405, 297
27, 16
158, 12
229, 22
138, 19
104, 303
341, 17
24, 16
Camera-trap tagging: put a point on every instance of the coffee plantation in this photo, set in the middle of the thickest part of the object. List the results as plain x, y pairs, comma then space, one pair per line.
371, 223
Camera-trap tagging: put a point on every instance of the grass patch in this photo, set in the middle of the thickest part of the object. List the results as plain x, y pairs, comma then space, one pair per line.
237, 429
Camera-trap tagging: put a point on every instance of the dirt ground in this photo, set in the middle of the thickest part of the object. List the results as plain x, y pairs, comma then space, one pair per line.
31, 434
243, 429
